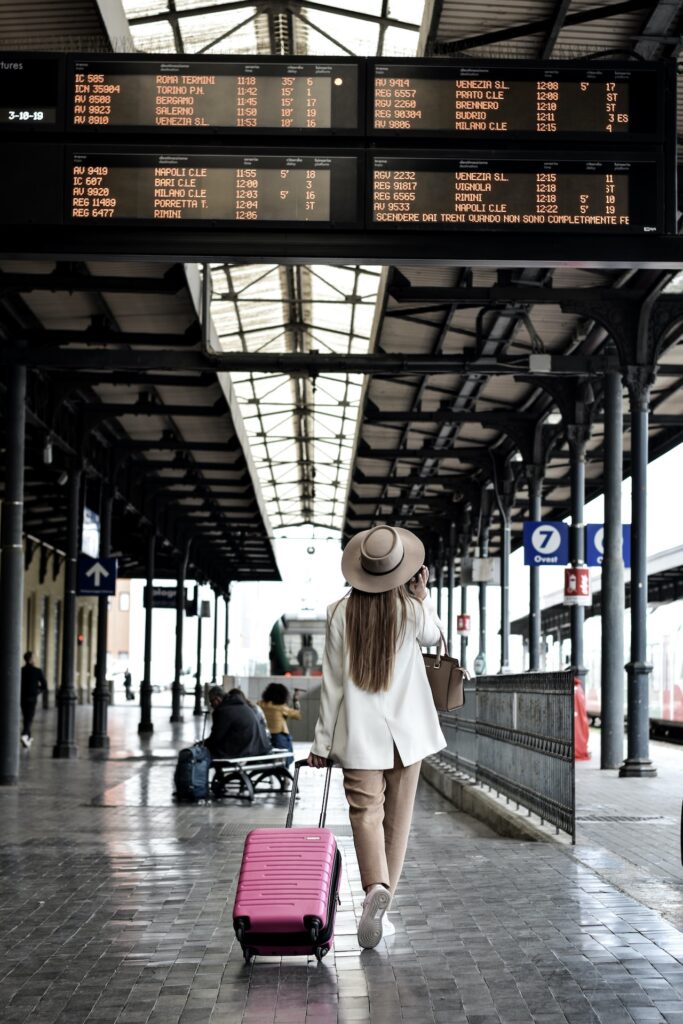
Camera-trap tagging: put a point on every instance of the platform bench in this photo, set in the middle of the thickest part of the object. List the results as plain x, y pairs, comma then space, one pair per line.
250, 773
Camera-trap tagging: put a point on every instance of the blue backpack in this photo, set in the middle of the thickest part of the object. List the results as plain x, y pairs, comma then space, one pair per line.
192, 773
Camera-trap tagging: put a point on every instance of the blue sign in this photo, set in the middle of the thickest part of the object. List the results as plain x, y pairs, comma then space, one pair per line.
595, 544
95, 576
546, 543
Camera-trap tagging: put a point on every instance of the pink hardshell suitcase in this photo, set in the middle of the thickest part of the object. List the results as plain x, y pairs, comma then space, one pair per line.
288, 888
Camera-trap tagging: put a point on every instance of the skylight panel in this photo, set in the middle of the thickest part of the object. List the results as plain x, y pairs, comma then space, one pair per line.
300, 429
156, 37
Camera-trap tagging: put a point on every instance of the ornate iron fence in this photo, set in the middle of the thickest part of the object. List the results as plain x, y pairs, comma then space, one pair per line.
516, 734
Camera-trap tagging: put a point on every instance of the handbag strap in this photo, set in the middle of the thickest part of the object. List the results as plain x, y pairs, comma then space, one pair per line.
440, 651
443, 651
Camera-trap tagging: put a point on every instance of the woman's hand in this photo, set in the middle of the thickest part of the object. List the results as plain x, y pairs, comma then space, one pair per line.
316, 761
418, 585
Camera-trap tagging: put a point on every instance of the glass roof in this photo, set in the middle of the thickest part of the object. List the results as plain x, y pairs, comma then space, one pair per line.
301, 430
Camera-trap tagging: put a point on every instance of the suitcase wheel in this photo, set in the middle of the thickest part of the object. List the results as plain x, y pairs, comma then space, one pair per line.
248, 954
314, 925
320, 952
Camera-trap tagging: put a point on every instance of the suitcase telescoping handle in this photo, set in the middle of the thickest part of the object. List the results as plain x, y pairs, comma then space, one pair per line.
326, 792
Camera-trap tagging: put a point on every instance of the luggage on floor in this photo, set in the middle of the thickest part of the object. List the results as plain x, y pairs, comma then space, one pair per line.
288, 887
192, 773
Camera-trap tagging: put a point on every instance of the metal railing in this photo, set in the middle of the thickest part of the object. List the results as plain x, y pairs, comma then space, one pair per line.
516, 734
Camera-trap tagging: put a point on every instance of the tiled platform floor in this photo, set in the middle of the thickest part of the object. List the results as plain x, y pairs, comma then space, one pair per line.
115, 906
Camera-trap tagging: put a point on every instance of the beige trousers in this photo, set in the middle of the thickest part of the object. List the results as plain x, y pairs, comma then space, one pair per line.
380, 810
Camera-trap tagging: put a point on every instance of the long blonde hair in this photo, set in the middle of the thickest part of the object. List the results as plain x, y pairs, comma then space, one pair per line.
375, 626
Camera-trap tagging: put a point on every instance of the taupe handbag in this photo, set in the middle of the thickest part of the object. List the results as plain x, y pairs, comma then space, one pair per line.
446, 679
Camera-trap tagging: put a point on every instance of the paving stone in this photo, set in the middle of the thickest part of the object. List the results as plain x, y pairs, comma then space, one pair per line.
123, 915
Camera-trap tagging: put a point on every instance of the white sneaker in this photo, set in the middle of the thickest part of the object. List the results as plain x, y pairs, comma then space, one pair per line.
376, 903
388, 927
26, 740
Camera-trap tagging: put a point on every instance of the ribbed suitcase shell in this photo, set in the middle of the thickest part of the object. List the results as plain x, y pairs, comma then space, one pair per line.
287, 875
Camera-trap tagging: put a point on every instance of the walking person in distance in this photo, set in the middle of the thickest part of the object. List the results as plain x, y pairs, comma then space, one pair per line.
377, 716
33, 682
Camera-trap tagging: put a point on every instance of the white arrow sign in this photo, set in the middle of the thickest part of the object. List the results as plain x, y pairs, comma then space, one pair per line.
98, 572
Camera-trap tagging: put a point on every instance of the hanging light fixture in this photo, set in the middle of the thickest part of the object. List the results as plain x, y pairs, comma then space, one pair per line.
47, 450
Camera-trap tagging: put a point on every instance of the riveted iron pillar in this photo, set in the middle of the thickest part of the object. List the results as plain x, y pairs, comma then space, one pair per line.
198, 679
214, 667
439, 577
145, 725
638, 761
451, 586
577, 554
176, 693
65, 746
484, 534
612, 597
505, 590
463, 636
535, 483
99, 739
226, 642
12, 575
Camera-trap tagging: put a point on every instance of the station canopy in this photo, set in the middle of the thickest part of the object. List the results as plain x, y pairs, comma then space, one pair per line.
301, 430
344, 451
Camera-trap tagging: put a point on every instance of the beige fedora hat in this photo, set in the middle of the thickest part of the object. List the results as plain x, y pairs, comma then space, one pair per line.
379, 559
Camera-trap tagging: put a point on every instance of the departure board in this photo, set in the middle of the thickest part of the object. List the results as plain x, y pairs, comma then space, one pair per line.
546, 102
522, 194
201, 95
254, 188
30, 91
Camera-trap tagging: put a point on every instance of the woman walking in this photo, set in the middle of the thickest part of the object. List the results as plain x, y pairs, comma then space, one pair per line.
377, 716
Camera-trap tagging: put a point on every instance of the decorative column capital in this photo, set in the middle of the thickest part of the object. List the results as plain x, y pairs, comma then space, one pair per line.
639, 380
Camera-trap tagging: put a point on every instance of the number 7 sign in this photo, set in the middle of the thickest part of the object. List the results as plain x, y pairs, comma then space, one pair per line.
546, 543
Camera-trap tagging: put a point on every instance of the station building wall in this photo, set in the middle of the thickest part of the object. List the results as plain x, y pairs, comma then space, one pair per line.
42, 621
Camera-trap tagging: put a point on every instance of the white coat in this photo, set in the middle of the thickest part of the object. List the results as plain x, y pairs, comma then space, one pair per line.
359, 729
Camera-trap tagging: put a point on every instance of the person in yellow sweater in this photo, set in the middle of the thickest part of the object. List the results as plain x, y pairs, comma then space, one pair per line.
275, 705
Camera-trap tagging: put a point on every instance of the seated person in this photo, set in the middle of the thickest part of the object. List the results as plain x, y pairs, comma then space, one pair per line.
236, 730
254, 707
276, 709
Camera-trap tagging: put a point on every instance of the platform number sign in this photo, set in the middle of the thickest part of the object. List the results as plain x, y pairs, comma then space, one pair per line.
546, 543
595, 544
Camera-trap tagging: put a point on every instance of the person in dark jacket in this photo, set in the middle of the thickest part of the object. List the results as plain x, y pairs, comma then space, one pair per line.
33, 682
237, 730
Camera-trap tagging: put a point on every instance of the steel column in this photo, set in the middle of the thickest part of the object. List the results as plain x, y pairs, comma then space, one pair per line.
12, 576
439, 585
638, 761
145, 725
612, 648
451, 586
577, 447
176, 693
484, 532
227, 632
505, 590
99, 739
463, 636
198, 680
535, 482
66, 696
214, 669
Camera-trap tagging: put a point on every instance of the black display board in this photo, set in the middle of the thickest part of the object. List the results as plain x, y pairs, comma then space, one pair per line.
195, 141
526, 193
257, 188
497, 101
203, 94
31, 92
